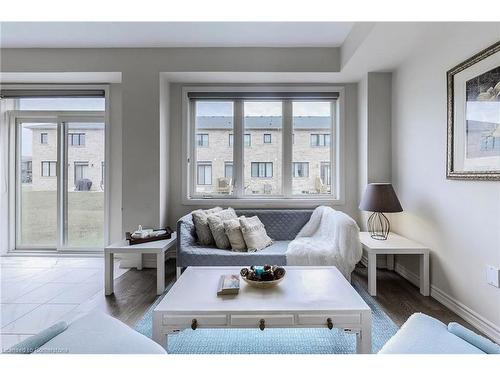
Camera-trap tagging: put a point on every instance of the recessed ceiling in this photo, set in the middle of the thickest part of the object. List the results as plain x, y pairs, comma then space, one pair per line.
172, 34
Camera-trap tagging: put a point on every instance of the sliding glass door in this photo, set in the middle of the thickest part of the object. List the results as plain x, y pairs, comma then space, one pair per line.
60, 200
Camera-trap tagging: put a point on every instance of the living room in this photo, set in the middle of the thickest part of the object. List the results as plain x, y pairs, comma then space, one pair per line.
312, 186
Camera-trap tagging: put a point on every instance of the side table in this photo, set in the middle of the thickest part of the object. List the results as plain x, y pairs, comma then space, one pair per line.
394, 245
160, 248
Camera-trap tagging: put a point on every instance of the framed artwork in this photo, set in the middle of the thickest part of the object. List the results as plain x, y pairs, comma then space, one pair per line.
473, 151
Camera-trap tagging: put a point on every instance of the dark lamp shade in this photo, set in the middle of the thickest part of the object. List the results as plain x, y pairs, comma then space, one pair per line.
380, 198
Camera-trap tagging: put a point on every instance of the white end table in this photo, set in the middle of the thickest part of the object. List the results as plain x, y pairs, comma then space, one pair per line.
160, 248
394, 245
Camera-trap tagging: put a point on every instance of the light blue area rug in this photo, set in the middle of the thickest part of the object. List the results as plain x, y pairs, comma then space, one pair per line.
273, 340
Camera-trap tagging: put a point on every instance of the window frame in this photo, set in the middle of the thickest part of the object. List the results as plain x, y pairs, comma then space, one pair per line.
270, 138
202, 138
50, 164
306, 163
204, 164
286, 199
266, 164
42, 138
79, 136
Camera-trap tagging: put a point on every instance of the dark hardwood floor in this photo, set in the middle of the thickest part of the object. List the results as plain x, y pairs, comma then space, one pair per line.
135, 291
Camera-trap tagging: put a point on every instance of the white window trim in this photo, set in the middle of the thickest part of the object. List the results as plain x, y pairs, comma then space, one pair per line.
287, 199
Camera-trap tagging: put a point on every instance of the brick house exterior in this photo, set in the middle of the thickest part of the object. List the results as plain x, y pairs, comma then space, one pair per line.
263, 144
85, 156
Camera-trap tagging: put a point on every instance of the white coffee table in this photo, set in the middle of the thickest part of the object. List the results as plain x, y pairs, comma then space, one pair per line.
308, 297
162, 249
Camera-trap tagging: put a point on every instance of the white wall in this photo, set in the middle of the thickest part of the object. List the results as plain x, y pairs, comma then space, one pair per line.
458, 220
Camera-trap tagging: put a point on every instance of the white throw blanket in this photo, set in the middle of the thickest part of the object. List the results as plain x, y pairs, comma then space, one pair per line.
330, 238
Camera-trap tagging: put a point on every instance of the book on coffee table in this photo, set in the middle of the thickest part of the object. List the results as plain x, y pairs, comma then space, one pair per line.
228, 284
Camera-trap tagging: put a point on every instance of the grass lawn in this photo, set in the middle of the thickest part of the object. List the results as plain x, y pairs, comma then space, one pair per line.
39, 218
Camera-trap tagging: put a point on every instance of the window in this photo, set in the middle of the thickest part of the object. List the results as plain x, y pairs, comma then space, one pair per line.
293, 151
325, 173
81, 171
228, 169
320, 140
204, 173
300, 169
44, 138
49, 168
202, 140
76, 139
262, 169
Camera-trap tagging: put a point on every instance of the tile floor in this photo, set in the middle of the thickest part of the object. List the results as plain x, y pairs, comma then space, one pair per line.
36, 292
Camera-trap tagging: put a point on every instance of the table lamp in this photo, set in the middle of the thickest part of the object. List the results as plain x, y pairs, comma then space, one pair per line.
379, 198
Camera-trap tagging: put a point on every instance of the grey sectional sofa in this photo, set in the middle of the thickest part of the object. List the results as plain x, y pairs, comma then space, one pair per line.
281, 225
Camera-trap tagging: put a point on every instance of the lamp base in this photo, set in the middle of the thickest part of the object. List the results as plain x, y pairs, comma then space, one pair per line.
378, 226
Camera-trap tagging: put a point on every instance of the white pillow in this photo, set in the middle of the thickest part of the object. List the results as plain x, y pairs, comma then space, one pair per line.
215, 222
201, 224
254, 233
233, 232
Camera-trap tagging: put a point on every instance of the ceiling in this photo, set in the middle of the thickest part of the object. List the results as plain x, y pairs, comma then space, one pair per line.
172, 34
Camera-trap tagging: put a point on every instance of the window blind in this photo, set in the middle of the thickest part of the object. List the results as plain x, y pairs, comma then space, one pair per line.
264, 95
58, 93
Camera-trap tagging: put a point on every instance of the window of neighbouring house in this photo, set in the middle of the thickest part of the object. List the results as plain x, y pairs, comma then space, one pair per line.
49, 168
76, 139
300, 169
204, 173
262, 170
202, 140
228, 169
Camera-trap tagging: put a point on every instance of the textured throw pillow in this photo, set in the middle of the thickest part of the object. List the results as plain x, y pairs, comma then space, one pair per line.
200, 220
254, 233
216, 224
233, 232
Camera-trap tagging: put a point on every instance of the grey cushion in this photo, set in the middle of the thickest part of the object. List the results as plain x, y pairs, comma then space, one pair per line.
281, 225
98, 333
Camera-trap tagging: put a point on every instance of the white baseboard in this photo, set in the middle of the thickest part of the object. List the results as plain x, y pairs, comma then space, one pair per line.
482, 324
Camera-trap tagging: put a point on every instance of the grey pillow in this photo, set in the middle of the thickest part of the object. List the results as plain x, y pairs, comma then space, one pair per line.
254, 233
216, 224
200, 220
233, 231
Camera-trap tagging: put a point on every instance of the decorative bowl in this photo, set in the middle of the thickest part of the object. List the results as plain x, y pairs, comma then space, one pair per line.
262, 284
263, 276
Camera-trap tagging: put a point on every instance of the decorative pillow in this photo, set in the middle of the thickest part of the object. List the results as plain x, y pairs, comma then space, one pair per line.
254, 233
201, 224
216, 224
233, 232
